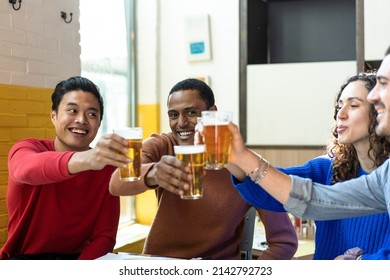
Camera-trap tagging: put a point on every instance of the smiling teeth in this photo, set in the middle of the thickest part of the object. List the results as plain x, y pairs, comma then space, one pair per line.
80, 131
186, 133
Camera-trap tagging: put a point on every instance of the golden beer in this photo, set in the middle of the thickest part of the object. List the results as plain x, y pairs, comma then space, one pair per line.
217, 138
218, 145
194, 157
134, 137
133, 170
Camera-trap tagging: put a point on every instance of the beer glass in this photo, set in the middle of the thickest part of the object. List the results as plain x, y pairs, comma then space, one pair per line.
194, 157
134, 137
217, 138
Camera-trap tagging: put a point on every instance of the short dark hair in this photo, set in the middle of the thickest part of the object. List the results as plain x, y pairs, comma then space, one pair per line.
205, 92
387, 51
75, 83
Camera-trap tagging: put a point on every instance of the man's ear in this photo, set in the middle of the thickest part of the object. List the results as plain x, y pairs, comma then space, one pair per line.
213, 108
53, 116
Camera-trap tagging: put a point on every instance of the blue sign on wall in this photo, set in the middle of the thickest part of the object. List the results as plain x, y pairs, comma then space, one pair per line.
197, 48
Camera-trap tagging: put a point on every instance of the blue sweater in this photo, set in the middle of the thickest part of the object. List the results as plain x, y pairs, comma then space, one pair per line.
370, 233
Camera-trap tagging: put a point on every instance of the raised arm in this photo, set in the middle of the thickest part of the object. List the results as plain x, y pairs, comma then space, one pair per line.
365, 195
108, 151
273, 181
159, 169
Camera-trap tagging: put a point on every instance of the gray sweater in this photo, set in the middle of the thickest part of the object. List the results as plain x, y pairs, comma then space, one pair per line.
368, 194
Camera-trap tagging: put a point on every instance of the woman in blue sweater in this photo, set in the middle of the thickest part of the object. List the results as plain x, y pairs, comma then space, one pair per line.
354, 151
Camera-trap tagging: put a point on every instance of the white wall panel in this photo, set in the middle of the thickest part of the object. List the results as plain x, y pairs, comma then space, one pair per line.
376, 28
292, 104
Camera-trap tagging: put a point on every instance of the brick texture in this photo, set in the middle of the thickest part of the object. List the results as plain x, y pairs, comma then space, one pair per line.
25, 113
37, 48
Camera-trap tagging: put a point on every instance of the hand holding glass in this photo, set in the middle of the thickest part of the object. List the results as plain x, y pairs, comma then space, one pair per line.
194, 157
134, 136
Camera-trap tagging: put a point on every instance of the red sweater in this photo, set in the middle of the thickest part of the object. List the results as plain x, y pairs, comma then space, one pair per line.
51, 211
213, 225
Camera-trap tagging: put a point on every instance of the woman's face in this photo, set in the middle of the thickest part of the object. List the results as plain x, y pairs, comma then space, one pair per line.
353, 115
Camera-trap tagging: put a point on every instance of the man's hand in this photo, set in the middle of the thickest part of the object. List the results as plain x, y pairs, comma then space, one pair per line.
109, 150
171, 174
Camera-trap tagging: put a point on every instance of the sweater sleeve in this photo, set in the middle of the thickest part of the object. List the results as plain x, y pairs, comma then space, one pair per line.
29, 162
280, 234
382, 254
356, 197
317, 169
256, 196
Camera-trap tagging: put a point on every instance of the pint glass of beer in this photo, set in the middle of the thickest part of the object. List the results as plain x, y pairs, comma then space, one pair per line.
194, 157
217, 138
134, 137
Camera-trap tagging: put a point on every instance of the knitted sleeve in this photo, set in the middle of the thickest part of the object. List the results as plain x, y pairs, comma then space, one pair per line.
317, 169
31, 162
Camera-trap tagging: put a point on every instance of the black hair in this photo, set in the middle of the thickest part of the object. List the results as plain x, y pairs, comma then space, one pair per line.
205, 92
75, 83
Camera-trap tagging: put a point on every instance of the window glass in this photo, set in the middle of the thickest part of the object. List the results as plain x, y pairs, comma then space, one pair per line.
105, 61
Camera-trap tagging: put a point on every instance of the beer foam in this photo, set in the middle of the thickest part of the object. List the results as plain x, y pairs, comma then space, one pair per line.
189, 149
216, 118
129, 132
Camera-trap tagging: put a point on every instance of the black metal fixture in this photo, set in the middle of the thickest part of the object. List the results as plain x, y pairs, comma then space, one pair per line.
13, 2
64, 16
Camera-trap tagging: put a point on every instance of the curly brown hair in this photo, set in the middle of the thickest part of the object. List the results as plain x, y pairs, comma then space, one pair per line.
345, 164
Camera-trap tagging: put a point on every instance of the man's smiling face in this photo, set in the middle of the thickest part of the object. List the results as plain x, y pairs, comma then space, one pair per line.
380, 97
184, 107
76, 121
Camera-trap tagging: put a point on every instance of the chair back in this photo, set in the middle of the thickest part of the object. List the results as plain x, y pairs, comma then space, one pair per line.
247, 236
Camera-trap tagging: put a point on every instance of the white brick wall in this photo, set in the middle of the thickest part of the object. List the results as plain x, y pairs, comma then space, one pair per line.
37, 48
